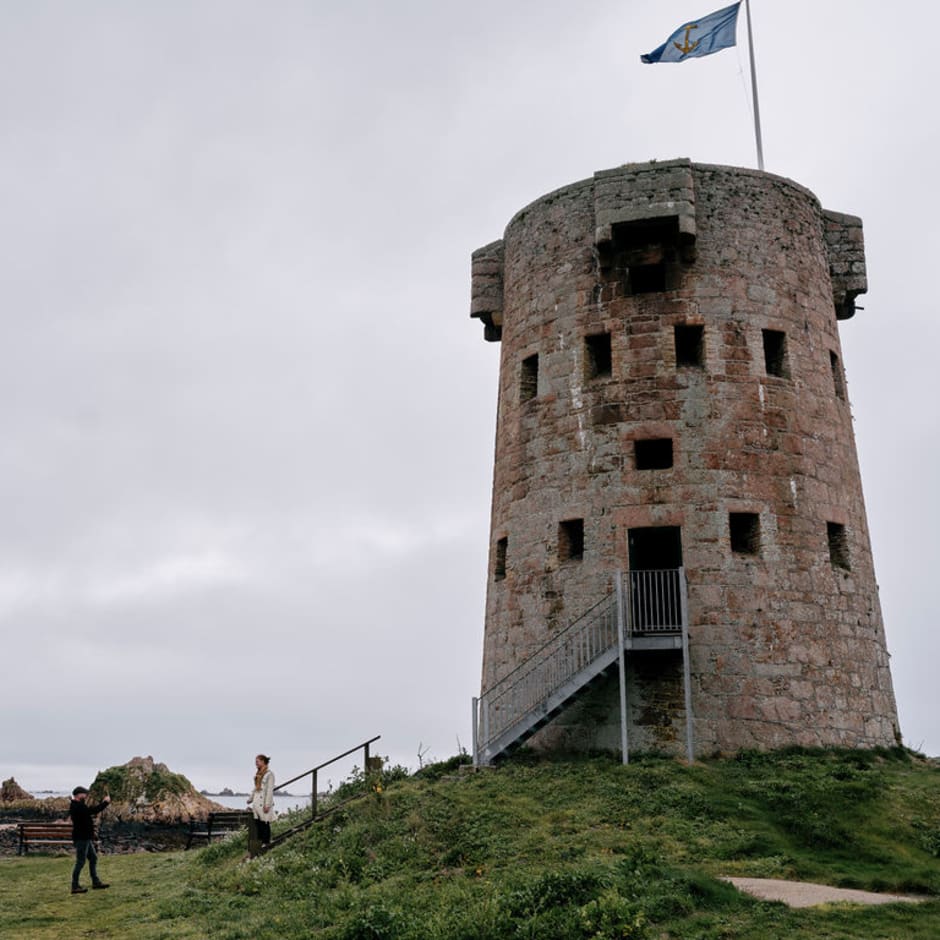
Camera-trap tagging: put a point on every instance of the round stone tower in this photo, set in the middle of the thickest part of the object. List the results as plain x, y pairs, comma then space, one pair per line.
672, 407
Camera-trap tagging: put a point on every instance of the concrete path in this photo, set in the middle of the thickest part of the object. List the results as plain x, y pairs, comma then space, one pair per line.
804, 894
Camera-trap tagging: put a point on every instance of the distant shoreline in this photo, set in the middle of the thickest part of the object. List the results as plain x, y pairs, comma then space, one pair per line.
230, 793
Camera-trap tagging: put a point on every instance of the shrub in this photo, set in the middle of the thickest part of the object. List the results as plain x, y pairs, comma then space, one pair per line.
444, 767
375, 922
553, 889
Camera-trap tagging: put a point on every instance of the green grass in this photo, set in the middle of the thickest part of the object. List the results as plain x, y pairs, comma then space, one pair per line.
581, 848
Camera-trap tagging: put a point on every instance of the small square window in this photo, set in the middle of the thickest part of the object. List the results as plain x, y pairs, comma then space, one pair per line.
571, 540
838, 546
653, 453
744, 530
529, 383
499, 563
690, 345
598, 361
838, 380
775, 353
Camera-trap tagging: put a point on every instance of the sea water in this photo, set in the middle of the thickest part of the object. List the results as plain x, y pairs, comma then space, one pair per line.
283, 803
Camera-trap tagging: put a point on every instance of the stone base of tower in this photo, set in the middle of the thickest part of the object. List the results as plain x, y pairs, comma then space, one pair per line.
656, 722
654, 703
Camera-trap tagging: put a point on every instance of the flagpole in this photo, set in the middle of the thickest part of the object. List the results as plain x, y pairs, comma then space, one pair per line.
750, 45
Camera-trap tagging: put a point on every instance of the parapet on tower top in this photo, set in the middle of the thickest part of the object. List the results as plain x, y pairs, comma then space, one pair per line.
647, 210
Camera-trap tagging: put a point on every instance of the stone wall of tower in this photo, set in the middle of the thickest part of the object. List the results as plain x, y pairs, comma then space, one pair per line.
694, 304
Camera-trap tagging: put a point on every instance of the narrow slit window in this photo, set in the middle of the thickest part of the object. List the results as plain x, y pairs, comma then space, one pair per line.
571, 540
499, 564
653, 453
597, 356
838, 545
775, 353
838, 380
690, 345
744, 530
529, 384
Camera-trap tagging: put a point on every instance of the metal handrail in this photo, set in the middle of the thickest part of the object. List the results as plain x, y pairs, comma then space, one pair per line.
549, 667
510, 676
332, 760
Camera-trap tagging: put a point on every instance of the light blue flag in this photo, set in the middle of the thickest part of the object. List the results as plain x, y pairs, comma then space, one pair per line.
710, 34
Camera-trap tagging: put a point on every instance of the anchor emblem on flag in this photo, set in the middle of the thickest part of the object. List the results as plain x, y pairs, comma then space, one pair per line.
686, 46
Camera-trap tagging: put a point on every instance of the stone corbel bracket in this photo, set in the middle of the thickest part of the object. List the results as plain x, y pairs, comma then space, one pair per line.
486, 289
845, 246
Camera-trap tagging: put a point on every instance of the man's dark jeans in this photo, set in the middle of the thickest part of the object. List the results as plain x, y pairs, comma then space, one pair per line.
85, 849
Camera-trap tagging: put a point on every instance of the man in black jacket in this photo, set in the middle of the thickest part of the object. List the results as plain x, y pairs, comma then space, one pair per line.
83, 835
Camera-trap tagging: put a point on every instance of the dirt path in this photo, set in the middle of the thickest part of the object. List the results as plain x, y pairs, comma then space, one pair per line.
804, 894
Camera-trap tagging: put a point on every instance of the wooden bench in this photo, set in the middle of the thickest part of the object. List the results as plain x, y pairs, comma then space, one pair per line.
51, 833
216, 825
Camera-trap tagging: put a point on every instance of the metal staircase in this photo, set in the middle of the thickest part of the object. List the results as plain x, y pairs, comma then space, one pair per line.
646, 611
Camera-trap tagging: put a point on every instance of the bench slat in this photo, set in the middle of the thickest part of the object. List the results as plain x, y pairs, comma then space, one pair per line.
35, 834
217, 824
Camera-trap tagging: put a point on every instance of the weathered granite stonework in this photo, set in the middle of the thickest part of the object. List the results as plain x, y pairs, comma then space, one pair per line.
698, 305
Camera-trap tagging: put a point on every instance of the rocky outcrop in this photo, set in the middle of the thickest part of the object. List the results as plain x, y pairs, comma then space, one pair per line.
144, 791
10, 790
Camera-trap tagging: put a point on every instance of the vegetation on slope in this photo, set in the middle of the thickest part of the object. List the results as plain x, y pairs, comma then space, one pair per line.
129, 784
582, 848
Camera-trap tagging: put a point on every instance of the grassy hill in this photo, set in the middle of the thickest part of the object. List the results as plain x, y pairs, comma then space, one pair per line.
581, 848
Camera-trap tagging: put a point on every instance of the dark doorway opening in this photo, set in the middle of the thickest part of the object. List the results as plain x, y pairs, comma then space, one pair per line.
655, 547
655, 554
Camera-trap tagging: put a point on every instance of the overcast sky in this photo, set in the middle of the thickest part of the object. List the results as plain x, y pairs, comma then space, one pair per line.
247, 422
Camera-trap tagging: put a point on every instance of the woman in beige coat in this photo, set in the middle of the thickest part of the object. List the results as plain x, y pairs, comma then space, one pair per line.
262, 798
